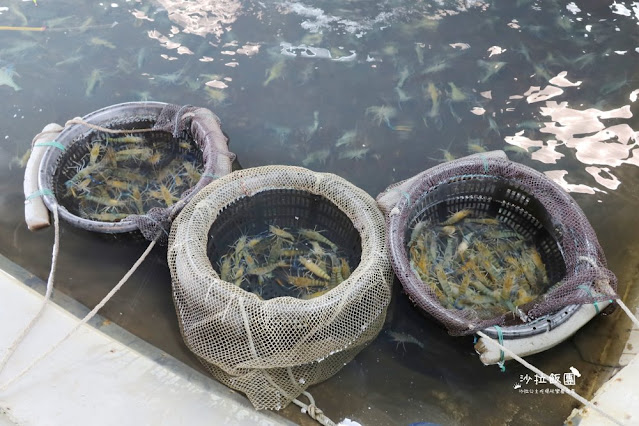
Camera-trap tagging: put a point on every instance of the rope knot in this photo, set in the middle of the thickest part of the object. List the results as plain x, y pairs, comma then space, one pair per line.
313, 411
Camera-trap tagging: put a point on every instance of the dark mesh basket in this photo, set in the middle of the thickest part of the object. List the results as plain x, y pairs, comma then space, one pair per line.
285, 208
172, 138
508, 202
524, 200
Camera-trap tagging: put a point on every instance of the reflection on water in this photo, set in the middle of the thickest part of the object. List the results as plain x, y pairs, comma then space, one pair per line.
374, 92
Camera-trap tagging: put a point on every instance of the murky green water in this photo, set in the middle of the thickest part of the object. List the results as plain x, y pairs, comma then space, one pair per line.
373, 92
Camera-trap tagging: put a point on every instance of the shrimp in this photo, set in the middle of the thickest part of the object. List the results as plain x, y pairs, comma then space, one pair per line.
539, 264
304, 282
417, 231
155, 158
109, 157
275, 252
464, 284
108, 217
253, 242
292, 252
317, 249
95, 152
422, 264
443, 280
449, 230
105, 201
192, 173
86, 171
118, 184
314, 268
239, 247
239, 274
265, 270
279, 232
140, 154
314, 235
168, 196
126, 139
82, 186
509, 283
316, 294
225, 270
523, 297
336, 270
403, 338
250, 262
137, 199
460, 215
346, 269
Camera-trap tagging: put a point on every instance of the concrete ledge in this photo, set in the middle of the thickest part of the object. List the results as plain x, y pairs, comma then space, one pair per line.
101, 379
619, 396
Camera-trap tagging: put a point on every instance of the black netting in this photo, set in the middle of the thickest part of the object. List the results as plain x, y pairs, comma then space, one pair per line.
536, 221
115, 182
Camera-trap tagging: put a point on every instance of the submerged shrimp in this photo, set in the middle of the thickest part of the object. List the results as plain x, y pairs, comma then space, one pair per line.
403, 338
381, 114
279, 232
314, 235
314, 268
303, 282
458, 216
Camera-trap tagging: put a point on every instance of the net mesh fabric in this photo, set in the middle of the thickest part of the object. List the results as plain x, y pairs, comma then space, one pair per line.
197, 124
272, 350
204, 127
519, 196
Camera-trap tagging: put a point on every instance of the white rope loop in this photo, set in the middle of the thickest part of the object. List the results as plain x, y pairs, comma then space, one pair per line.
534, 369
54, 260
86, 319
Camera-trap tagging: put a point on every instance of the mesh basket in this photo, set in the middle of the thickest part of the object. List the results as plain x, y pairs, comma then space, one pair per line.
490, 186
272, 350
188, 133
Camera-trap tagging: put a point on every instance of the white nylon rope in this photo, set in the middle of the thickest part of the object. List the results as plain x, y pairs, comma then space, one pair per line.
84, 320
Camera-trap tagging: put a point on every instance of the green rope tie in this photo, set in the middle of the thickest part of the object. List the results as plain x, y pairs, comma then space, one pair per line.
211, 175
485, 161
39, 193
502, 361
404, 194
586, 288
53, 143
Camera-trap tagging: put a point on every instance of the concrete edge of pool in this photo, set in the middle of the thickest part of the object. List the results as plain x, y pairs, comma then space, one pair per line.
103, 374
619, 396
106, 375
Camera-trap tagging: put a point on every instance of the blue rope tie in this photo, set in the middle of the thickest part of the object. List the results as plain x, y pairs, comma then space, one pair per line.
502, 362
39, 193
53, 143
211, 175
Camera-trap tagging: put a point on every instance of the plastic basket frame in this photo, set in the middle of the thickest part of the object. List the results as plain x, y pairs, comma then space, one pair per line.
121, 116
495, 196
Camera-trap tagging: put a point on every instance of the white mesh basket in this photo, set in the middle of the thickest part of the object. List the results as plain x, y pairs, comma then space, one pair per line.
272, 350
